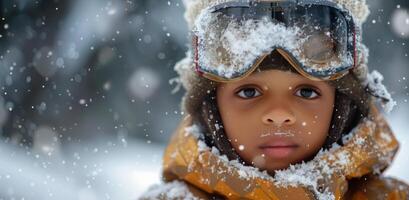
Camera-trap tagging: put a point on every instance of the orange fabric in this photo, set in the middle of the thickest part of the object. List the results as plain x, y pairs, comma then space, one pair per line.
372, 146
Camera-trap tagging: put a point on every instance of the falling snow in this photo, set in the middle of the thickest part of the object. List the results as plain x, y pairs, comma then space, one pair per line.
86, 108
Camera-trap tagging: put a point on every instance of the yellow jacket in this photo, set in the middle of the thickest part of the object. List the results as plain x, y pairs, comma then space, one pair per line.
191, 170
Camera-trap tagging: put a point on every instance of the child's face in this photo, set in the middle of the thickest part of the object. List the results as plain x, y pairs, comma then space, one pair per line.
275, 118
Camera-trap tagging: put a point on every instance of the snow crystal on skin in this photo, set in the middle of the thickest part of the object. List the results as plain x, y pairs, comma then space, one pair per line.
171, 190
377, 89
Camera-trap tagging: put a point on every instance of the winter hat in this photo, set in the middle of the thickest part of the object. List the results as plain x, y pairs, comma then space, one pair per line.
358, 10
352, 91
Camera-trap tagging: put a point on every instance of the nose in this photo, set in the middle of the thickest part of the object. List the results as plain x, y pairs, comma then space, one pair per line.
279, 117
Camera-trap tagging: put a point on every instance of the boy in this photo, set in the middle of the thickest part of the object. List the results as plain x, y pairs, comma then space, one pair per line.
280, 107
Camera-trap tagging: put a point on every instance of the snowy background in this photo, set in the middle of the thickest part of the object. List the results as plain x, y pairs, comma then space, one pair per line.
86, 106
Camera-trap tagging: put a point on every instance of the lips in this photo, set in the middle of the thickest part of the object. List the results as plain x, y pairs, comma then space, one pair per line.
278, 148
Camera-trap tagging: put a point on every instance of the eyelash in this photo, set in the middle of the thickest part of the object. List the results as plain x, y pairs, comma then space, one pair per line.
241, 94
298, 92
248, 88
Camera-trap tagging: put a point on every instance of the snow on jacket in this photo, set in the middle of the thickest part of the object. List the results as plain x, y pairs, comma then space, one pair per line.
192, 170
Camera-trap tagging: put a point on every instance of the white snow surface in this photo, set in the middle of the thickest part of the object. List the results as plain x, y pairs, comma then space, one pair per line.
172, 190
95, 172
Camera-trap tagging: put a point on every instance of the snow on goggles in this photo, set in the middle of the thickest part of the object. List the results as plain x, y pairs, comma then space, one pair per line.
316, 37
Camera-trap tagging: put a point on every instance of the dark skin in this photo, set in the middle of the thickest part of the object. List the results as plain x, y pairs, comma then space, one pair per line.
275, 118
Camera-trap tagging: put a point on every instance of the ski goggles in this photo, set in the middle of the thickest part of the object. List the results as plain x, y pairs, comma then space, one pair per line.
315, 36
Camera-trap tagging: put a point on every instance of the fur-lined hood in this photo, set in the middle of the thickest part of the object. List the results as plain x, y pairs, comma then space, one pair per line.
348, 172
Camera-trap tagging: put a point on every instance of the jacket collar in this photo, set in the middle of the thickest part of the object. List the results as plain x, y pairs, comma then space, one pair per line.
369, 148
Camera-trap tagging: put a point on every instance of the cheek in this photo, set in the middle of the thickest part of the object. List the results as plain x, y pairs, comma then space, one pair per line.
317, 111
230, 116
315, 120
238, 124
235, 114
241, 133
240, 127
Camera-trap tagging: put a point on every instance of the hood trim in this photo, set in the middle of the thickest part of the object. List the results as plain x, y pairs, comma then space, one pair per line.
369, 148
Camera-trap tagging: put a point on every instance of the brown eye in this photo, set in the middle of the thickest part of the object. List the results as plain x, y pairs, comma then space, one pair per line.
307, 93
247, 93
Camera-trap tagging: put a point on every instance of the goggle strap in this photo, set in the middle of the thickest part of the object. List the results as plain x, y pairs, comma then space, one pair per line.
196, 55
355, 49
